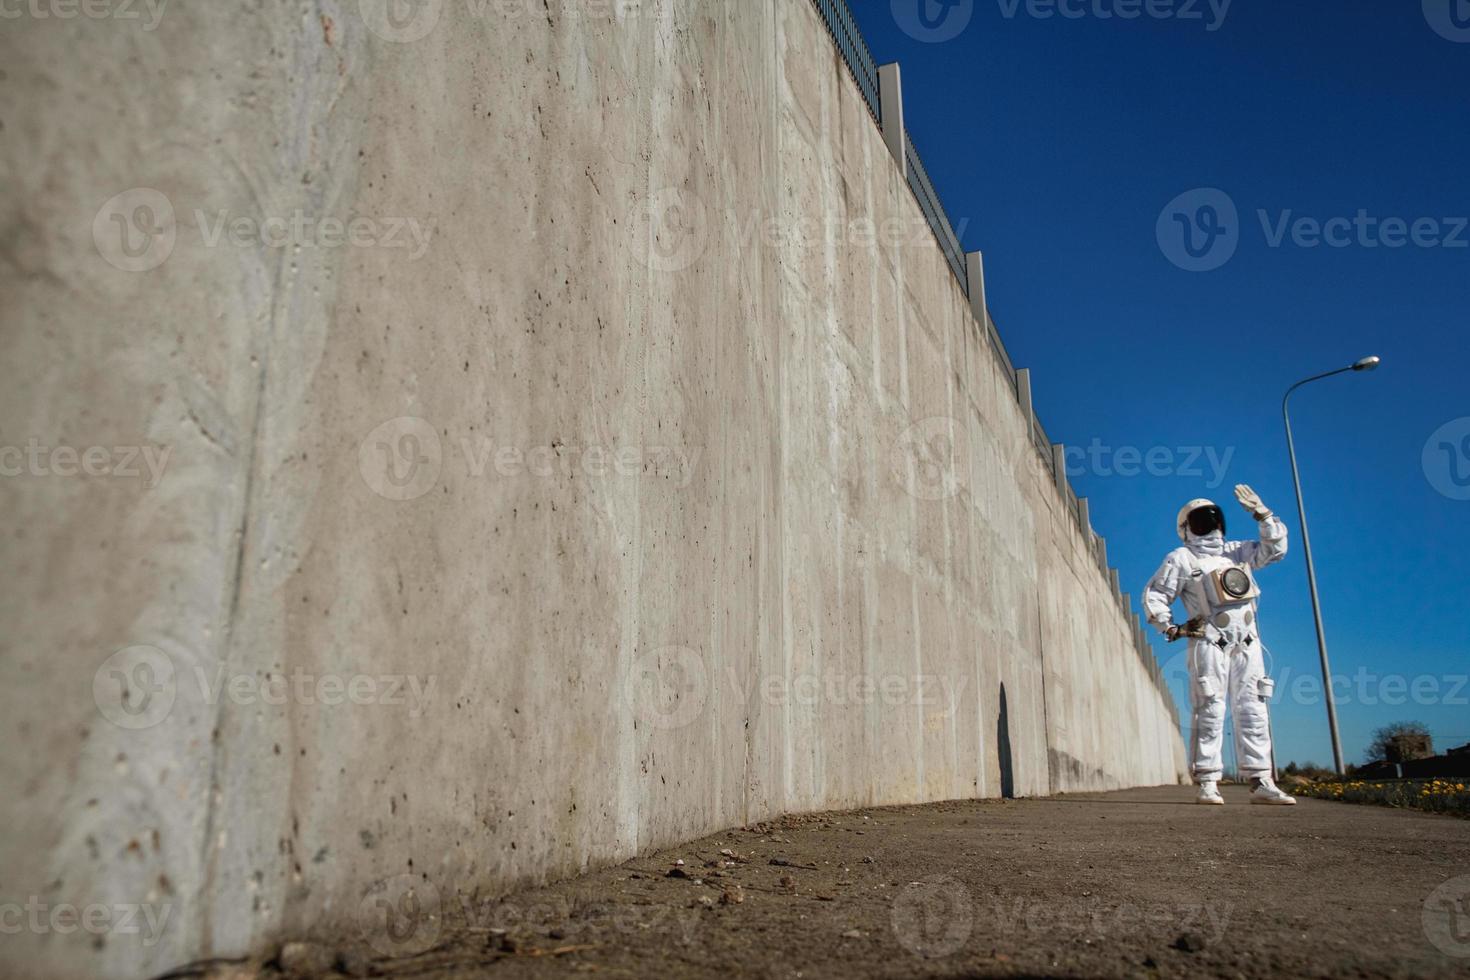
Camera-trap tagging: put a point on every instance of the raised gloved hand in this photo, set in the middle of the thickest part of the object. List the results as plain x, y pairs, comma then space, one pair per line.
1252, 502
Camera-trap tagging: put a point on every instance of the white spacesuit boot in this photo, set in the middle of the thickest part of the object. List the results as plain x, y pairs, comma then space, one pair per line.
1267, 791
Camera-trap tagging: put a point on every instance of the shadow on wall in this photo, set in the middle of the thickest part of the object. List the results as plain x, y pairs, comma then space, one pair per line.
1003, 746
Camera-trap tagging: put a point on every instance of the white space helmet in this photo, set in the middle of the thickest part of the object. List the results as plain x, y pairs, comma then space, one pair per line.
1181, 524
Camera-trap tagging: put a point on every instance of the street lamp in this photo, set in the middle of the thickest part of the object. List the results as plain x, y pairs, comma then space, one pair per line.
1366, 364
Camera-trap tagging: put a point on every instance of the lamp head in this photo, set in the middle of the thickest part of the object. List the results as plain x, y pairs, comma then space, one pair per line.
1368, 363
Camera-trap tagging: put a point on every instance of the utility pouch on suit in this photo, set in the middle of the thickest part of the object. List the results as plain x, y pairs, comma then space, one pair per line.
1265, 687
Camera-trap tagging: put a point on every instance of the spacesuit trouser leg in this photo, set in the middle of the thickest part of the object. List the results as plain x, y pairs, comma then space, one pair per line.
1208, 679
1248, 703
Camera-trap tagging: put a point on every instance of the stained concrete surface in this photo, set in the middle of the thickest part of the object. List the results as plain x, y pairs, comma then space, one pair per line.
529, 458
1139, 883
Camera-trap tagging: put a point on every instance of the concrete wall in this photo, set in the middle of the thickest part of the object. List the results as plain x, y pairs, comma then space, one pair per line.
749, 460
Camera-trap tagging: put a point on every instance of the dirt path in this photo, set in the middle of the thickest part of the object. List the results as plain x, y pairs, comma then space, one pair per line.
1138, 883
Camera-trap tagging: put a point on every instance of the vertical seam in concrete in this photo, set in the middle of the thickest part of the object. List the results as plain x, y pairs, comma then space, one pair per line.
220, 746
717, 538
629, 810
914, 570
1051, 783
954, 511
973, 419
783, 565
872, 730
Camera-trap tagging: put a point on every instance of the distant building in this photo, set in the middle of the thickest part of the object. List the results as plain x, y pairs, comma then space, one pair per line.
1406, 746
1454, 763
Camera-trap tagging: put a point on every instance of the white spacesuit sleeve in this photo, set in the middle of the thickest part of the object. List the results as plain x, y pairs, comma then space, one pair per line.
1270, 549
1161, 591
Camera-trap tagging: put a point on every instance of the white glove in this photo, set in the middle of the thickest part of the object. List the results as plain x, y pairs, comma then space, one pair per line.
1252, 502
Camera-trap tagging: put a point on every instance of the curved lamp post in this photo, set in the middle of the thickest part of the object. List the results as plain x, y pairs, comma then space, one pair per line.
1366, 364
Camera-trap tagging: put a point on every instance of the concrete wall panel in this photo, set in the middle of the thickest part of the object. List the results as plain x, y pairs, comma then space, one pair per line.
642, 483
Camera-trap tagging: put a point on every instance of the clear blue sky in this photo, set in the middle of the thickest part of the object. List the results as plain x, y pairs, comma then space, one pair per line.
1062, 140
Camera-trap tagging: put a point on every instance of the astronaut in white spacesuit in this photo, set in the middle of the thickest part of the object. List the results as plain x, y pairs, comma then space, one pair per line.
1215, 579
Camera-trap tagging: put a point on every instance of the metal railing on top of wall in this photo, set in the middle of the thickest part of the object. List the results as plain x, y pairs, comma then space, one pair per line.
1043, 446
998, 345
928, 198
871, 82
849, 40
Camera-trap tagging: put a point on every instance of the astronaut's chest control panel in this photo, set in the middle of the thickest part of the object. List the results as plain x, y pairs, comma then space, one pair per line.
1223, 583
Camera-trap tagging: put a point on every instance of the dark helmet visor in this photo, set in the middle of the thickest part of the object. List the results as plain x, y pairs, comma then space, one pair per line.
1206, 519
